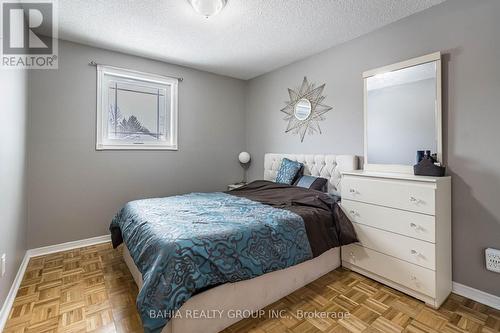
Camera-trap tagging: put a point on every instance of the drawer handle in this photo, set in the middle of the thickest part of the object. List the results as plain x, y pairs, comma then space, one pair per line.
416, 201
353, 213
415, 226
417, 254
415, 280
353, 191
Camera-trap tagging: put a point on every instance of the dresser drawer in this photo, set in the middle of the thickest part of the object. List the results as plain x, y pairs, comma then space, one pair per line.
406, 223
405, 248
409, 275
402, 194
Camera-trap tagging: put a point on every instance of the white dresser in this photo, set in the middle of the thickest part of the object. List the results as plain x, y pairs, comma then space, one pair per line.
403, 223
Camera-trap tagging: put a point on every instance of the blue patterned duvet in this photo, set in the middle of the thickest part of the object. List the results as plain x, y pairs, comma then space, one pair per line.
185, 244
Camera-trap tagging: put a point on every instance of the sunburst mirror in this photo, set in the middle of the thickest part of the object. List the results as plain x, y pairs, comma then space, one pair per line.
305, 109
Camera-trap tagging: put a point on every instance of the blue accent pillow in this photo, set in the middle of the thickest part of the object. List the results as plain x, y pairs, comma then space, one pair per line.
313, 183
288, 171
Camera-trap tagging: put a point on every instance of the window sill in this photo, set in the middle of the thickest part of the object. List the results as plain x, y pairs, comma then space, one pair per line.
101, 147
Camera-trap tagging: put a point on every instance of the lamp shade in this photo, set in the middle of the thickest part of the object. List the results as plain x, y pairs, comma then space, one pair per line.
244, 157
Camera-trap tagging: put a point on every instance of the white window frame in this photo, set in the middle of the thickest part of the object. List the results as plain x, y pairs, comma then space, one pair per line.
172, 84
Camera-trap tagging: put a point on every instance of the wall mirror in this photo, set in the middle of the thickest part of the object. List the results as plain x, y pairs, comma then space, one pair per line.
305, 109
402, 112
302, 109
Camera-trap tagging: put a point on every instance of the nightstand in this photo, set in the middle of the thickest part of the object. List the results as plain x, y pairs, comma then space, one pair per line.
235, 186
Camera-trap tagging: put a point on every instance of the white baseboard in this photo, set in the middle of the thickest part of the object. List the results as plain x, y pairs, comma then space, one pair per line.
41, 251
9, 300
476, 295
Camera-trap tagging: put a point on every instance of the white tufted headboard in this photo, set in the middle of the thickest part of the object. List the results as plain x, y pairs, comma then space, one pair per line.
325, 166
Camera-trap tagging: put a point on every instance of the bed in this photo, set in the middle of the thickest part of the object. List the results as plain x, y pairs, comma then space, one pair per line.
218, 305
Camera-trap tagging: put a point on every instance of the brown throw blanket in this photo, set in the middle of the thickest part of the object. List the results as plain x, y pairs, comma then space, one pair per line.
326, 224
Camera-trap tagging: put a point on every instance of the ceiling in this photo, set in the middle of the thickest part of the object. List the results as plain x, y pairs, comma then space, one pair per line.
247, 39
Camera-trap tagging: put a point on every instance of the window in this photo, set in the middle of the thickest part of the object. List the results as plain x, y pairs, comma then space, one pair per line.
135, 110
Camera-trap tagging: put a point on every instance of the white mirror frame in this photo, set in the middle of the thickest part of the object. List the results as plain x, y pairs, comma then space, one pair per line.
408, 169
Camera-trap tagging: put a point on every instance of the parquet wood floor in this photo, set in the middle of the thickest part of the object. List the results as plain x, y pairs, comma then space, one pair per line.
91, 290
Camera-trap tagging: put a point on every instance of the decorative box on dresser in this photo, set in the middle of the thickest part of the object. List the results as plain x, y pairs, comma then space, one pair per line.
403, 223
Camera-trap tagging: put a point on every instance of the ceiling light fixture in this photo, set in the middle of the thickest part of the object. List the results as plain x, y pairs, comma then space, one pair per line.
208, 8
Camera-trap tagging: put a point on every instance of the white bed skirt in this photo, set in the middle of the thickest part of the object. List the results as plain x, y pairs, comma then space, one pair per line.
248, 295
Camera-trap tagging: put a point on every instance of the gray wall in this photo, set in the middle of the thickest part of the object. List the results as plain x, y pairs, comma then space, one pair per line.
467, 32
13, 156
75, 190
